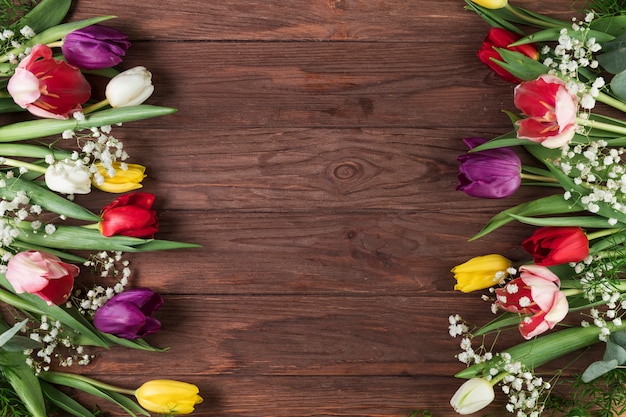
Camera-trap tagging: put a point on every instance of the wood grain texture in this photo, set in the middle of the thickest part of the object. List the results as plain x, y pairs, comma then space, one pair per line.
313, 158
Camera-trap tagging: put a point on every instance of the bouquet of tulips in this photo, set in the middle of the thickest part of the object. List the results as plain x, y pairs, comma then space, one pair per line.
49, 243
569, 89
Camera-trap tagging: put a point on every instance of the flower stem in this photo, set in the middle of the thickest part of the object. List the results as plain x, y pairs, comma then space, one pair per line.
22, 164
96, 106
540, 178
90, 381
55, 44
602, 233
594, 124
610, 101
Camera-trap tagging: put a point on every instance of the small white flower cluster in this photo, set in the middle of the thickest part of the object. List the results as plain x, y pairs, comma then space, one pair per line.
56, 344
106, 265
599, 167
524, 389
10, 40
575, 50
598, 287
97, 145
469, 355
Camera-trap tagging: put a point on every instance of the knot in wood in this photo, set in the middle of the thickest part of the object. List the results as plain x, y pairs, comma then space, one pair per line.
347, 171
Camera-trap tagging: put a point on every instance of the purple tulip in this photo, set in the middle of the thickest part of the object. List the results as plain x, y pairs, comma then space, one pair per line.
95, 47
493, 173
129, 314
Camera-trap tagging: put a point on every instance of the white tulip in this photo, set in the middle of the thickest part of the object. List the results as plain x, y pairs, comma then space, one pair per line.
129, 88
68, 177
474, 395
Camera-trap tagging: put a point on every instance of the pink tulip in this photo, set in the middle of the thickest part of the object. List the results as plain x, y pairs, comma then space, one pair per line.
550, 109
536, 293
42, 274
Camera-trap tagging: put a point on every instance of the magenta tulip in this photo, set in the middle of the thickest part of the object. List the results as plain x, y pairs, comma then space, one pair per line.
129, 314
42, 274
493, 173
95, 47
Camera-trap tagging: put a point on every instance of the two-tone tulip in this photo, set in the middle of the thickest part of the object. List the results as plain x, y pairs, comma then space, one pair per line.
47, 87
121, 178
42, 274
166, 396
481, 272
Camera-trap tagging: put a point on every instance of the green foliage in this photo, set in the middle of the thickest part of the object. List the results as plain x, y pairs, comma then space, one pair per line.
606, 7
603, 397
11, 10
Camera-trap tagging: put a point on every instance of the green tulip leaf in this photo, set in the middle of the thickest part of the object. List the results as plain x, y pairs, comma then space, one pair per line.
520, 65
69, 257
57, 32
64, 401
156, 244
597, 369
619, 338
613, 25
7, 105
7, 335
613, 56
614, 352
139, 344
554, 204
24, 382
618, 85
504, 320
497, 18
46, 14
553, 34
593, 222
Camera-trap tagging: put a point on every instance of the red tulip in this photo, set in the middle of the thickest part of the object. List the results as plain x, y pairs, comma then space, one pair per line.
502, 38
550, 109
47, 87
42, 274
557, 245
535, 292
130, 215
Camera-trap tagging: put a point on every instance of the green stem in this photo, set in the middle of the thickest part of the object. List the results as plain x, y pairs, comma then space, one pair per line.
572, 291
540, 178
594, 124
21, 164
93, 382
56, 44
96, 106
92, 226
530, 19
602, 233
610, 101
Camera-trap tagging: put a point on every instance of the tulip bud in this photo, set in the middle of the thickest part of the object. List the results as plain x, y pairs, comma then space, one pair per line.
129, 88
95, 47
480, 272
474, 395
122, 180
68, 177
491, 4
165, 396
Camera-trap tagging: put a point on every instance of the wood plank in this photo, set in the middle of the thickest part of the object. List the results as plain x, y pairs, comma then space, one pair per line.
300, 84
301, 254
443, 21
277, 170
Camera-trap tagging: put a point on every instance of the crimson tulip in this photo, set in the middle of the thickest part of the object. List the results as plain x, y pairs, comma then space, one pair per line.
47, 87
95, 47
550, 109
129, 314
41, 274
130, 215
557, 245
535, 292
493, 173
502, 38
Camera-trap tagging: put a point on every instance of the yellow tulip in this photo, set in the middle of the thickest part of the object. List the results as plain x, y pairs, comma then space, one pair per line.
491, 4
166, 396
123, 181
480, 272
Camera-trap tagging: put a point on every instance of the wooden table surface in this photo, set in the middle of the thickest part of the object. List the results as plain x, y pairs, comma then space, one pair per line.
313, 158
